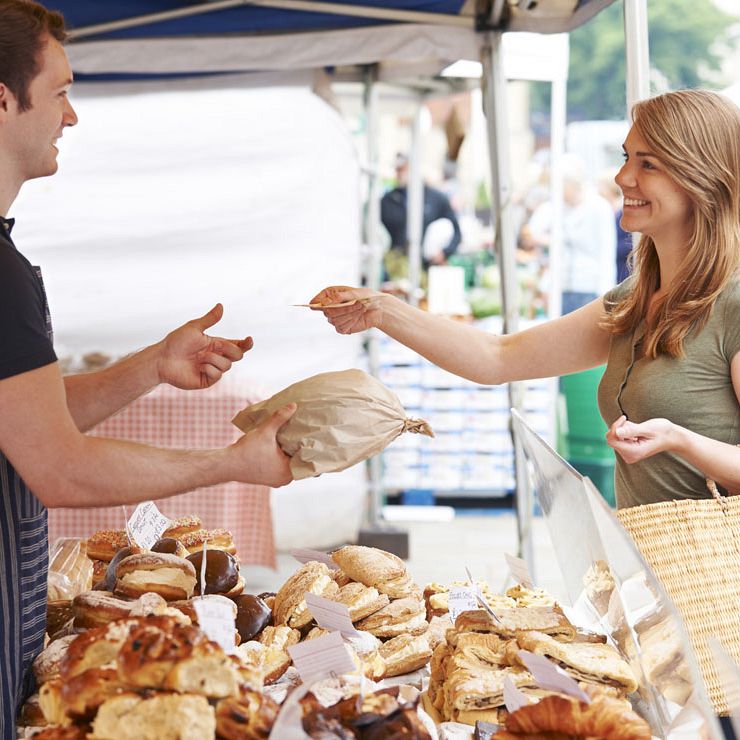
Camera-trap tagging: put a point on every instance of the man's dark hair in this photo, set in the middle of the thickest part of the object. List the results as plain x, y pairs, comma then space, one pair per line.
24, 30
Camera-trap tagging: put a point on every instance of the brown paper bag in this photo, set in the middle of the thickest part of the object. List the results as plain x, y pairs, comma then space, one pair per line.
342, 418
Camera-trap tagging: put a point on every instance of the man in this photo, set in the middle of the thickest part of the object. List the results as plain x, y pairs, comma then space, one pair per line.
393, 214
46, 460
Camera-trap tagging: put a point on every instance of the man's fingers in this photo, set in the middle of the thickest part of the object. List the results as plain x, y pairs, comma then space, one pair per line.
221, 363
209, 319
282, 415
245, 344
226, 347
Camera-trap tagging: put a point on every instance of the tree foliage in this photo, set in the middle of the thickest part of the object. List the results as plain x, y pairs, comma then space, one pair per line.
686, 42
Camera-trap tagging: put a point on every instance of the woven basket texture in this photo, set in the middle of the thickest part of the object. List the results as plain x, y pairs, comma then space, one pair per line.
694, 549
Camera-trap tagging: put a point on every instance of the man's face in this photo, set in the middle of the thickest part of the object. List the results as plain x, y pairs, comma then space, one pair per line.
29, 137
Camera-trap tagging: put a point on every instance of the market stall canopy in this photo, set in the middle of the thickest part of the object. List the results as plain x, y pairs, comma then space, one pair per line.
159, 37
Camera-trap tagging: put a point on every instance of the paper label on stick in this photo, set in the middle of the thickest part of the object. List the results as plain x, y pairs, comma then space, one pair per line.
216, 619
331, 615
514, 698
304, 555
321, 657
519, 570
461, 599
479, 595
146, 524
551, 677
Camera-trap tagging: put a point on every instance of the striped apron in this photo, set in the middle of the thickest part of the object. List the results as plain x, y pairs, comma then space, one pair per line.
24, 553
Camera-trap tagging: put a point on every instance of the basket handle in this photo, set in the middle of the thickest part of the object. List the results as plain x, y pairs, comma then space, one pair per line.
712, 486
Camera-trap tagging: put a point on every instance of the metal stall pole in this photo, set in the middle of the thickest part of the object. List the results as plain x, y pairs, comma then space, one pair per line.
372, 237
637, 53
415, 205
637, 58
494, 106
375, 532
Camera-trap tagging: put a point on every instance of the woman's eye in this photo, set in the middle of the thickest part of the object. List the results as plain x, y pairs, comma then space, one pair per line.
648, 165
625, 156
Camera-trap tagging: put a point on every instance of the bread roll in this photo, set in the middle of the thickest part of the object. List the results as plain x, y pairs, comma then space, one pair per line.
160, 717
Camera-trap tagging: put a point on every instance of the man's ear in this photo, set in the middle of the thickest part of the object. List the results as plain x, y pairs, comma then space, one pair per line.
4, 98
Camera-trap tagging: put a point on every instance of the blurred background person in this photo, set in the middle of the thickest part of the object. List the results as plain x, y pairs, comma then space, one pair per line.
609, 190
589, 239
440, 228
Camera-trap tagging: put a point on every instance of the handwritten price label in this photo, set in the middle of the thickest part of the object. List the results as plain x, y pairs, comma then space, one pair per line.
519, 570
146, 524
461, 599
331, 615
322, 657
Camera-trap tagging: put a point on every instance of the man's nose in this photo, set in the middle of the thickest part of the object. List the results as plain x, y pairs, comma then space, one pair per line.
70, 116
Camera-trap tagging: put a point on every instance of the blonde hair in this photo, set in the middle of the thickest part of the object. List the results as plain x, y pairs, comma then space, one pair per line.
696, 136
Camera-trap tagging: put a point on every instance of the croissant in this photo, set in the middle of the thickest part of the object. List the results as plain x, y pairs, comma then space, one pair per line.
604, 717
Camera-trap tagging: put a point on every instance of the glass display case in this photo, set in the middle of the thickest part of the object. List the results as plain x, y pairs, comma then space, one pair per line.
613, 590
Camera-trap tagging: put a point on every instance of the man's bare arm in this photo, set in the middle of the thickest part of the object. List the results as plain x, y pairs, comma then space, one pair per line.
66, 468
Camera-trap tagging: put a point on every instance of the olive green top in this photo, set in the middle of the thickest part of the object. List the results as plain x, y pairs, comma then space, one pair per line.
694, 391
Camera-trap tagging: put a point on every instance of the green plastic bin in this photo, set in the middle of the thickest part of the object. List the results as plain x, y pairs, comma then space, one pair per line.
582, 431
601, 473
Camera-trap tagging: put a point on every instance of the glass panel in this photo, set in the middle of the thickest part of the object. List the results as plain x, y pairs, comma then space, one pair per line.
613, 590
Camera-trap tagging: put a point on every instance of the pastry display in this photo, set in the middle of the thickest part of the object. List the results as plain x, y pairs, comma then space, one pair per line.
468, 670
605, 718
181, 526
290, 604
217, 539
136, 663
383, 714
222, 573
167, 575
252, 616
397, 618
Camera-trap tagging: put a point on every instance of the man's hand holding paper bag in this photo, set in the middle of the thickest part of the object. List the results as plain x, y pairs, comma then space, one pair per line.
342, 418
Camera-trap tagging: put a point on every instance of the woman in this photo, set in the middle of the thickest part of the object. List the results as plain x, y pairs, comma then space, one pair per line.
670, 334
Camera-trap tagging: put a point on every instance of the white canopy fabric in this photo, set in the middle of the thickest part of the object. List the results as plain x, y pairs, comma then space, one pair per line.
173, 196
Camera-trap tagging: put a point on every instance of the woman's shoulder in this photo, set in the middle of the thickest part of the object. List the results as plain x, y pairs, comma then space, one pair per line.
729, 298
618, 293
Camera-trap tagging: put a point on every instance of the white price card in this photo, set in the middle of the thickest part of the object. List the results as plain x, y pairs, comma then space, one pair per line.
146, 524
216, 619
551, 677
519, 570
331, 615
479, 595
514, 698
304, 555
461, 599
322, 657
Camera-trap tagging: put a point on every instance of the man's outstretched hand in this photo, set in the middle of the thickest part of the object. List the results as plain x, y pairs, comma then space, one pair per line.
192, 360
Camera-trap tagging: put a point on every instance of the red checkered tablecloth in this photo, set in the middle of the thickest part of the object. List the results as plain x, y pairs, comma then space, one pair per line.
168, 417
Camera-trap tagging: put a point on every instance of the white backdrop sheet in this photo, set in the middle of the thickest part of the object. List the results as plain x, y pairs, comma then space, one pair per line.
173, 196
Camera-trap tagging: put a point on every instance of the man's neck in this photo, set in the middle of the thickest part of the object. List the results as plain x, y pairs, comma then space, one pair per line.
8, 194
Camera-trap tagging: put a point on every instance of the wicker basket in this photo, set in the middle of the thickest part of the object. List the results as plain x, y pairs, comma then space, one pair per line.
694, 549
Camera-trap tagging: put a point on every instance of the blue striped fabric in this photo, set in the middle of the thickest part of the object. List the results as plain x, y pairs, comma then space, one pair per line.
23, 570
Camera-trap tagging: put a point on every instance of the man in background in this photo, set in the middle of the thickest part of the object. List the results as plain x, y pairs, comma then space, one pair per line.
441, 241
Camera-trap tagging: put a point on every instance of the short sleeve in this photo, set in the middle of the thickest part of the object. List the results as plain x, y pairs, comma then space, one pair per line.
617, 294
24, 342
731, 322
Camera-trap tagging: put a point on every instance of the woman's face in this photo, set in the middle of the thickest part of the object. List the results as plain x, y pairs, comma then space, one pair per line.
654, 204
